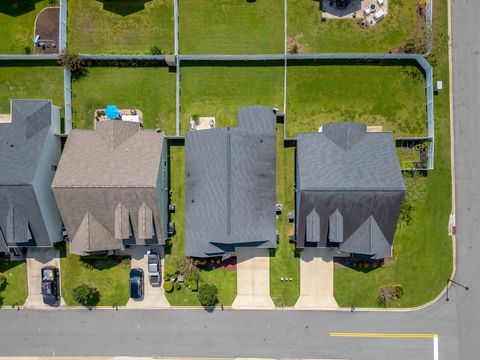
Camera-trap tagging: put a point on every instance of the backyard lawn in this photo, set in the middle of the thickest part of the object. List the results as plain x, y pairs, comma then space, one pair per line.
151, 90
110, 276
391, 96
120, 27
423, 249
220, 90
30, 82
314, 36
231, 27
15, 292
283, 262
17, 24
225, 280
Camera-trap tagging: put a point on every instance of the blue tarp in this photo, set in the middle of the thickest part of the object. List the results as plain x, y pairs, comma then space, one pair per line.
112, 112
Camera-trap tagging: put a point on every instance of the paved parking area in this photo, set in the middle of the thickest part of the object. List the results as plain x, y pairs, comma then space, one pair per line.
37, 258
316, 279
154, 296
253, 279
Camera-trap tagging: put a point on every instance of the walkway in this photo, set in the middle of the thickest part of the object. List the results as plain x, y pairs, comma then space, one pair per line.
253, 279
37, 258
316, 279
154, 297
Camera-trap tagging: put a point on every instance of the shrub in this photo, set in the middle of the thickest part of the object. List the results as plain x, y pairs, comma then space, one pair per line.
178, 286
192, 282
155, 50
72, 61
3, 282
85, 294
389, 293
168, 286
207, 294
28, 50
186, 266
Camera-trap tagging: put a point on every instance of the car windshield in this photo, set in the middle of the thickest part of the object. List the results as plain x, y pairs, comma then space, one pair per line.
47, 275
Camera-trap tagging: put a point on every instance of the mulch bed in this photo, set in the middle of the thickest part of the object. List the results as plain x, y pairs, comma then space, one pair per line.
47, 26
229, 264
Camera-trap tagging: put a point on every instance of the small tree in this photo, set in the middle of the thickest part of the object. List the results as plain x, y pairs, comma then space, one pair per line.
85, 294
72, 61
168, 286
208, 294
155, 50
186, 266
389, 293
3, 282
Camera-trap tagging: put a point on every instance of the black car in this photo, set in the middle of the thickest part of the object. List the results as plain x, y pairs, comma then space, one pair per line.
136, 284
50, 283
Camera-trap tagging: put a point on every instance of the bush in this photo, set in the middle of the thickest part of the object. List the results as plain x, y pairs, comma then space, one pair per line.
85, 294
28, 50
178, 286
72, 61
155, 50
207, 294
3, 282
186, 266
192, 282
389, 293
168, 286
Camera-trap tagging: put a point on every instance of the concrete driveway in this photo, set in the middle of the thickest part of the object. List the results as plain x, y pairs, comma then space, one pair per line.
316, 279
154, 296
253, 279
37, 258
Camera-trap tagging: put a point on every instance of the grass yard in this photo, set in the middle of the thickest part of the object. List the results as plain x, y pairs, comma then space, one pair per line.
30, 82
283, 262
151, 90
423, 249
16, 290
120, 27
110, 276
17, 25
231, 26
225, 280
314, 36
391, 96
220, 90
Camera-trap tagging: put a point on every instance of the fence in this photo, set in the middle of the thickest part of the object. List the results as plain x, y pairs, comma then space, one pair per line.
63, 25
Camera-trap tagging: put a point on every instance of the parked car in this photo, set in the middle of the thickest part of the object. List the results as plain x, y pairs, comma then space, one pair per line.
50, 283
136, 284
153, 267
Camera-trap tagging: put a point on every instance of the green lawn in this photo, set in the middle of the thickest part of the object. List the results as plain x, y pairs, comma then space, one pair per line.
151, 90
110, 276
30, 82
231, 26
220, 90
120, 27
391, 96
16, 290
314, 36
225, 280
423, 249
17, 24
283, 262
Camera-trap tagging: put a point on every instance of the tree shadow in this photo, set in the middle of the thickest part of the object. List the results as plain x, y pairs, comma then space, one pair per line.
16, 8
93, 301
124, 7
7, 264
102, 263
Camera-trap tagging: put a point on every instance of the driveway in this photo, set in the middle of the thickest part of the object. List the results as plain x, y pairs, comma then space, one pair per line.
253, 279
154, 297
316, 279
37, 258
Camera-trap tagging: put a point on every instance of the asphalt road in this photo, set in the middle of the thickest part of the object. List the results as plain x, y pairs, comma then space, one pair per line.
300, 334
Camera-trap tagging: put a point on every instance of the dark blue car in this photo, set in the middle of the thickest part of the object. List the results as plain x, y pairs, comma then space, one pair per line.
136, 284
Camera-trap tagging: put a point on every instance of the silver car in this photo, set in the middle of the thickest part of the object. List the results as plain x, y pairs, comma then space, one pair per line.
153, 267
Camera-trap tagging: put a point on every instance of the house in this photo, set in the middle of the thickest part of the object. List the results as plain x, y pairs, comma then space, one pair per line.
111, 187
349, 190
230, 185
29, 154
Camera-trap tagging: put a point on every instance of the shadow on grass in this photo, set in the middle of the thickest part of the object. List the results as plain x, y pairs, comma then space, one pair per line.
16, 8
104, 263
7, 264
123, 7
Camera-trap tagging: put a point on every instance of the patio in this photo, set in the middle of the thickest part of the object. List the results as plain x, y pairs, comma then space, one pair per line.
369, 12
111, 112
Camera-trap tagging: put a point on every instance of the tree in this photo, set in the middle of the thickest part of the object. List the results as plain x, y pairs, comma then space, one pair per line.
186, 266
72, 61
85, 295
207, 294
389, 293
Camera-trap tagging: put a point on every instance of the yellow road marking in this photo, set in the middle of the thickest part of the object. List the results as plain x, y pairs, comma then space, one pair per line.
384, 335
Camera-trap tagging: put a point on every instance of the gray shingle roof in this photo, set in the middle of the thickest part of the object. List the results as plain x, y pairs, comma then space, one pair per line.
353, 180
230, 185
22, 145
105, 187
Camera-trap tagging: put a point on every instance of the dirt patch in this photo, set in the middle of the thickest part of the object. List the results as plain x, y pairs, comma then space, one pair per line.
294, 45
47, 28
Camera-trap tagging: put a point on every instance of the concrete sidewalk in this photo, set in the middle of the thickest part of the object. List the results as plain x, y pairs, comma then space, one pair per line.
37, 258
154, 297
316, 279
253, 279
